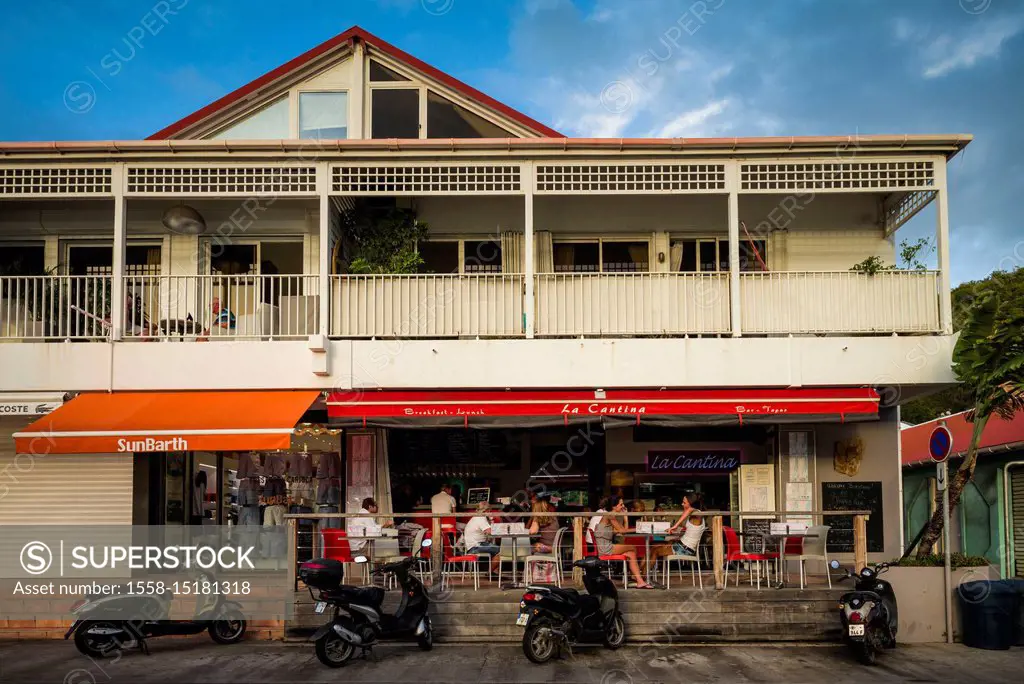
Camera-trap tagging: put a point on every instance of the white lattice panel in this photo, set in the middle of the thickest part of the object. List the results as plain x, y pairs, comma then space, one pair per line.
51, 181
426, 180
898, 213
837, 175
630, 178
222, 180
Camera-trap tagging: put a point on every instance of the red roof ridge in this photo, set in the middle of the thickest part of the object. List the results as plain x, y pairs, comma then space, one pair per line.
353, 33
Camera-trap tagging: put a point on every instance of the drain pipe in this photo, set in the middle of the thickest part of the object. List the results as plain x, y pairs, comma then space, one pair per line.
1008, 512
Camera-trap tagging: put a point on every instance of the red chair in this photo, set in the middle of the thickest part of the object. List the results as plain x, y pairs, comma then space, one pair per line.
335, 544
734, 553
448, 523
453, 558
611, 557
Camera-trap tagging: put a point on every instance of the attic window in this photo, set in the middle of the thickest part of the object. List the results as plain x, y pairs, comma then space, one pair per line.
395, 113
379, 72
445, 119
323, 116
269, 123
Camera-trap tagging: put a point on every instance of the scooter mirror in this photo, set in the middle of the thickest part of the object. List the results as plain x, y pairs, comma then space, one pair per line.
427, 543
360, 559
834, 564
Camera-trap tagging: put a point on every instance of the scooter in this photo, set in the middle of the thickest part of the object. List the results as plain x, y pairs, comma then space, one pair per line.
557, 618
105, 624
869, 614
358, 620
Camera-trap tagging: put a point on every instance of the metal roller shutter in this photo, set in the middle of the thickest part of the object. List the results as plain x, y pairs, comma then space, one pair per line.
50, 489
1017, 518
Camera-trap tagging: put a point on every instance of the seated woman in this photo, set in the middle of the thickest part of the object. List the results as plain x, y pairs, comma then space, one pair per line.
692, 524
544, 526
606, 546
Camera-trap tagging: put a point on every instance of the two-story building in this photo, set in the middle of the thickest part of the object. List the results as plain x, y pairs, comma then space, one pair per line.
650, 315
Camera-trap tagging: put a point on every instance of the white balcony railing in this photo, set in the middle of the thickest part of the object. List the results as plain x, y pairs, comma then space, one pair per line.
839, 302
401, 306
54, 307
189, 308
632, 303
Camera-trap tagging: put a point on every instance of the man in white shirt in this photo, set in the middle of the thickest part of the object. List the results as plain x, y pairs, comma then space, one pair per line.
443, 503
363, 526
475, 535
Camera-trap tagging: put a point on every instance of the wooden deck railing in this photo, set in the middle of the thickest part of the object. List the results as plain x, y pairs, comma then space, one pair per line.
579, 520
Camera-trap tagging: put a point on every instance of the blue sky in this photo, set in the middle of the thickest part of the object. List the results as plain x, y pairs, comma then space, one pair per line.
585, 67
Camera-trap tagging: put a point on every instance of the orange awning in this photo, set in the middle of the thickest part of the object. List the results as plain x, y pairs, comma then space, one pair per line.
131, 422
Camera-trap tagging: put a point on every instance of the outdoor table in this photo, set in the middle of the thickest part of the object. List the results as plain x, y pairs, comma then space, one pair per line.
515, 537
765, 536
647, 545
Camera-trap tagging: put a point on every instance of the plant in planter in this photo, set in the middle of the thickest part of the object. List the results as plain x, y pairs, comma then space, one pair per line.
935, 560
380, 240
911, 258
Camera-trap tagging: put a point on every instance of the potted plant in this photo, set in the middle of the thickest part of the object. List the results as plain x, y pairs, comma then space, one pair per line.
919, 583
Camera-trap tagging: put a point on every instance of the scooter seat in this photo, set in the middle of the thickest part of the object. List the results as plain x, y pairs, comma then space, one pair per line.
567, 593
363, 596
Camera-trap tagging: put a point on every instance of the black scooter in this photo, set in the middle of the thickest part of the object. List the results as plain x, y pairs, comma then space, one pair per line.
555, 618
105, 624
869, 614
365, 624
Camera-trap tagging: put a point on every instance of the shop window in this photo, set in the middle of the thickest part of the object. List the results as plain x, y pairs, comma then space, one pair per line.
577, 257
624, 257
323, 116
395, 113
269, 123
481, 256
380, 73
445, 119
439, 256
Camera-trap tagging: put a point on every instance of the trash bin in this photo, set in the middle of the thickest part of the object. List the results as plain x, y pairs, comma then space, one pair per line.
989, 612
1018, 585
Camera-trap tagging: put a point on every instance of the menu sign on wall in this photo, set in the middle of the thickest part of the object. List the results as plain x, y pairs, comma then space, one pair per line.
693, 461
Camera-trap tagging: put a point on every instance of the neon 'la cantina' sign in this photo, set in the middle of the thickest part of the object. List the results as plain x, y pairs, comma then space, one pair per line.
692, 461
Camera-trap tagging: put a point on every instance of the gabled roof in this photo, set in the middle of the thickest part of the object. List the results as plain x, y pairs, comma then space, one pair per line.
998, 433
353, 34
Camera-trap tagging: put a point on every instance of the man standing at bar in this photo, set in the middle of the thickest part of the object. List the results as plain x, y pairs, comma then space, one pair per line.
443, 503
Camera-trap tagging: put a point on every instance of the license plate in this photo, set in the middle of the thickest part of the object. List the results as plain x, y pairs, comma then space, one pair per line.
856, 630
522, 619
320, 607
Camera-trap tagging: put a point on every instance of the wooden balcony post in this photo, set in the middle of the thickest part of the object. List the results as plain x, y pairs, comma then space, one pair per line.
325, 250
117, 289
942, 247
718, 552
860, 542
293, 554
436, 548
577, 548
732, 175
529, 253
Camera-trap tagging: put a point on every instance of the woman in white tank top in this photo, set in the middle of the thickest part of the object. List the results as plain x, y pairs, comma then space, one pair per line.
693, 526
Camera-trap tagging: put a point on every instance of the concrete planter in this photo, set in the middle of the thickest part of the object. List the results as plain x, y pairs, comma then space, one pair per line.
919, 596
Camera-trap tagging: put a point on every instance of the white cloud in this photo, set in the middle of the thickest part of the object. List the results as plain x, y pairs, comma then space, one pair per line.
694, 123
947, 53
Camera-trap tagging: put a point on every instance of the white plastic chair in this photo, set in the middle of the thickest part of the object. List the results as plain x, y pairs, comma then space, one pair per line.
694, 561
554, 557
385, 550
522, 550
814, 548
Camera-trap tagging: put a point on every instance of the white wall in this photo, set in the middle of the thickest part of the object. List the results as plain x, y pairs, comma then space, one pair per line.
745, 362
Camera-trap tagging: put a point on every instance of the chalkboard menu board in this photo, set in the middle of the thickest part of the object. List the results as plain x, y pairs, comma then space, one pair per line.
853, 496
752, 542
477, 495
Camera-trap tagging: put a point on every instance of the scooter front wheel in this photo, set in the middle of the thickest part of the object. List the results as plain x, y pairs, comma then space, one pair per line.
615, 632
426, 640
332, 650
229, 631
539, 643
100, 639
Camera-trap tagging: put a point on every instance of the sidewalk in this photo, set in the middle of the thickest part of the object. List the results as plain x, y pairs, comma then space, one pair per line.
199, 660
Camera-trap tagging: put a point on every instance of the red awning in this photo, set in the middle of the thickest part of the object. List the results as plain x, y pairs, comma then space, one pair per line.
484, 407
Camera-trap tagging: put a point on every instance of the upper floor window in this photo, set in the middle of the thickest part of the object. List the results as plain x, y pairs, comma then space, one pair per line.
460, 256
380, 73
323, 116
711, 255
269, 123
22, 258
395, 112
445, 119
605, 256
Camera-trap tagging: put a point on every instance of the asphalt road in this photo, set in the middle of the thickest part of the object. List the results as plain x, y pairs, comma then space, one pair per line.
199, 660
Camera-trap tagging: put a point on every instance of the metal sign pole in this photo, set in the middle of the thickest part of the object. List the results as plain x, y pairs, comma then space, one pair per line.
941, 474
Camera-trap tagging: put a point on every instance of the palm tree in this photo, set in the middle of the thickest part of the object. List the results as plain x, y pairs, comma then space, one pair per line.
989, 361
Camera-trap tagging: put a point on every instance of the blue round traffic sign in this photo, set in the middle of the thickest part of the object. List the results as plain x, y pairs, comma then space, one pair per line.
940, 444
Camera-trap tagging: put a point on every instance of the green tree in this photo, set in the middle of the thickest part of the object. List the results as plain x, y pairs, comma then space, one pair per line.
989, 361
382, 239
